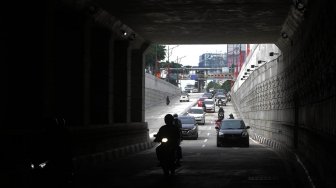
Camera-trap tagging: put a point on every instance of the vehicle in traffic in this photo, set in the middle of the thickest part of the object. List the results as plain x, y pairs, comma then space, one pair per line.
221, 115
189, 127
189, 88
218, 94
232, 132
208, 95
167, 155
219, 91
210, 105
198, 113
184, 97
200, 101
221, 100
228, 98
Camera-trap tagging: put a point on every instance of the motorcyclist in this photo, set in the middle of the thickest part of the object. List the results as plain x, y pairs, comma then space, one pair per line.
169, 131
167, 100
220, 111
231, 116
220, 101
229, 98
178, 123
220, 118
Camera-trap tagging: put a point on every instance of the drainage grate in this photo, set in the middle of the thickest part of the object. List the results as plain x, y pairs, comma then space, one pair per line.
263, 178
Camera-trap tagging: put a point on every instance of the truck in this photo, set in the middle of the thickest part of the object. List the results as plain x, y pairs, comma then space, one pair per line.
189, 88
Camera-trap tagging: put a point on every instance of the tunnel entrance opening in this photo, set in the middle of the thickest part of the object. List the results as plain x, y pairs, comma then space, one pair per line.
255, 62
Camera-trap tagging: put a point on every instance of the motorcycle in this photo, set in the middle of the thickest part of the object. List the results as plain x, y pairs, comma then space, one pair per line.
167, 155
221, 103
221, 115
46, 173
49, 159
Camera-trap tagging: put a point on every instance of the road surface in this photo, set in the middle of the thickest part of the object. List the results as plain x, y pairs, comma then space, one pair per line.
203, 164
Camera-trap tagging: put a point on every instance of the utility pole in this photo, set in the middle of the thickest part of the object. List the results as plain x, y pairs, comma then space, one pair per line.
170, 51
168, 56
178, 60
156, 62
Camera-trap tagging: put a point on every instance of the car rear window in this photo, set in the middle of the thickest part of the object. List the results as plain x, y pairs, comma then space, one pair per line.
234, 124
207, 95
208, 102
187, 121
196, 111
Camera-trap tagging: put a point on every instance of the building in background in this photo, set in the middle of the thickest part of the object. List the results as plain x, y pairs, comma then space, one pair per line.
213, 60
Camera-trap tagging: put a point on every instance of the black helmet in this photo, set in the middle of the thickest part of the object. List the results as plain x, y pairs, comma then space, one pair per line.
169, 119
175, 115
231, 115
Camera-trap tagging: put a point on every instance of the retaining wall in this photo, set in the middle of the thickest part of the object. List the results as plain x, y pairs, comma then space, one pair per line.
156, 90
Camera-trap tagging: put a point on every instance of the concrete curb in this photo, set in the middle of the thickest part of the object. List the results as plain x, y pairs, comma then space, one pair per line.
95, 159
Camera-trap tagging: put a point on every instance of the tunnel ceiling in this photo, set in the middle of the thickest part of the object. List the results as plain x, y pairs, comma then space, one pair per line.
202, 21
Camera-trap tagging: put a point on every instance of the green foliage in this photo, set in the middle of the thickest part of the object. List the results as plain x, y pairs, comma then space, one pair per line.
226, 85
153, 53
171, 65
213, 85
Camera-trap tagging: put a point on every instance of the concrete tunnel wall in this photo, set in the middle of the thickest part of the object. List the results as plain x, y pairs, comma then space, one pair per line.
290, 102
90, 75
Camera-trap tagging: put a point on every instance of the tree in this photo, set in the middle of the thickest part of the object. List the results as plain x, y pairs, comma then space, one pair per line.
227, 85
170, 65
213, 85
155, 52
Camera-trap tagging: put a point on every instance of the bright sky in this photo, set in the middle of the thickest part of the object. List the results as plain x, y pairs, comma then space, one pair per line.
189, 54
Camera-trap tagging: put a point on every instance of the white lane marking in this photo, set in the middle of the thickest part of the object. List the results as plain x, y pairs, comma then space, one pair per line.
203, 145
208, 134
209, 128
205, 140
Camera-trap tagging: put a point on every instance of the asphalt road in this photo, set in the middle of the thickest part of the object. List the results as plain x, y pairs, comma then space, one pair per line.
203, 164
154, 116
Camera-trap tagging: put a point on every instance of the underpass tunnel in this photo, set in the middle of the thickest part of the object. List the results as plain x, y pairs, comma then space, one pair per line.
83, 61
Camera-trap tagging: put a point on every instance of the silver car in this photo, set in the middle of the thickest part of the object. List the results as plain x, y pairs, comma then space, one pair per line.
209, 105
198, 113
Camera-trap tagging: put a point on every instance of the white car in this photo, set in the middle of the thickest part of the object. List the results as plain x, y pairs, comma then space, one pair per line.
184, 97
198, 113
